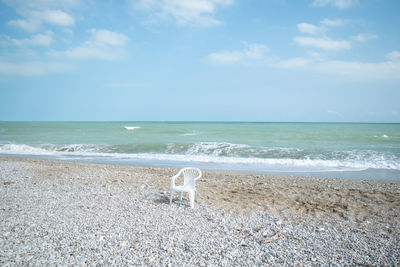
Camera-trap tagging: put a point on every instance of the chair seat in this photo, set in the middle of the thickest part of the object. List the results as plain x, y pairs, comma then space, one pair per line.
181, 188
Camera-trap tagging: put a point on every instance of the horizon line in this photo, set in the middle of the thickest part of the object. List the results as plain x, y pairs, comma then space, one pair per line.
202, 121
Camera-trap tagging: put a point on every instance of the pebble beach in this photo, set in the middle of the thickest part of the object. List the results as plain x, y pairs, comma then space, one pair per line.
75, 213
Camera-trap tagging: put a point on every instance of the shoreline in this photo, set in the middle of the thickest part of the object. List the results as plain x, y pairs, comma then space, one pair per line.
89, 213
356, 175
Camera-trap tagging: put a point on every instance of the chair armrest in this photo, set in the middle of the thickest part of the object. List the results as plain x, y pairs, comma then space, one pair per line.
173, 178
199, 176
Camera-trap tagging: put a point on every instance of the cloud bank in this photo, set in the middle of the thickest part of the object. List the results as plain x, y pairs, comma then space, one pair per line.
356, 70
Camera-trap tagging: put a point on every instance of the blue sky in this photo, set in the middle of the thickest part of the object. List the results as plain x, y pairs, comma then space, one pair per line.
200, 60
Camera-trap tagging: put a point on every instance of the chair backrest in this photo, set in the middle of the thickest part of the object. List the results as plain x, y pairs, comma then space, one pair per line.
190, 175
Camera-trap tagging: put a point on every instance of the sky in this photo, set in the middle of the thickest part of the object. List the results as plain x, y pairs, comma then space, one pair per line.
200, 60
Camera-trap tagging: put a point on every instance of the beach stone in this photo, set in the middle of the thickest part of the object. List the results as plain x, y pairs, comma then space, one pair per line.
62, 220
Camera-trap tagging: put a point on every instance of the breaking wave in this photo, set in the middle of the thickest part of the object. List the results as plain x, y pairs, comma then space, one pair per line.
129, 128
193, 133
267, 158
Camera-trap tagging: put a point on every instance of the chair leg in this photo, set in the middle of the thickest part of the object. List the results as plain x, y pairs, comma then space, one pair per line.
191, 197
180, 196
171, 194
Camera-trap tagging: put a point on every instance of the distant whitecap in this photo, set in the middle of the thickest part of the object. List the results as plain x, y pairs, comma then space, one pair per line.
385, 136
191, 133
132, 127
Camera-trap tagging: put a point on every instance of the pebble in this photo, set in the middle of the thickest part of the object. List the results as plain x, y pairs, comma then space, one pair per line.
63, 221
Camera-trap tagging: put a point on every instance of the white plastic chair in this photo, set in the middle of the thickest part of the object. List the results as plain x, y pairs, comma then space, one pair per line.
190, 175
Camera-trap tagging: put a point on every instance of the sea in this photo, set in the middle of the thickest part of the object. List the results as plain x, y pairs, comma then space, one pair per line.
330, 150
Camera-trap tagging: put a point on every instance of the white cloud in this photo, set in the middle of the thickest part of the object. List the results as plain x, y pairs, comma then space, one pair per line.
41, 39
255, 51
22, 5
34, 20
252, 52
103, 44
334, 22
35, 13
361, 70
105, 37
225, 57
389, 69
341, 4
353, 70
292, 63
324, 26
69, 32
183, 12
364, 37
30, 25
31, 68
323, 43
394, 56
57, 17
309, 28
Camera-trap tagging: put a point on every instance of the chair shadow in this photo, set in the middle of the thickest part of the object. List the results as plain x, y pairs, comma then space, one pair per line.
160, 198
175, 201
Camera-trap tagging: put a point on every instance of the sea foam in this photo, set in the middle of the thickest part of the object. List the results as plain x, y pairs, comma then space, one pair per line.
129, 128
214, 153
193, 133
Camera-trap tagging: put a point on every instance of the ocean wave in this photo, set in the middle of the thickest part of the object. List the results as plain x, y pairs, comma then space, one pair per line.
218, 153
21, 149
233, 150
277, 164
47, 149
193, 133
383, 136
130, 128
75, 148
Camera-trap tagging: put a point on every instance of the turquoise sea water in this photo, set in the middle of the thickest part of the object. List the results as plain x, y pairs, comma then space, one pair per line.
352, 150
